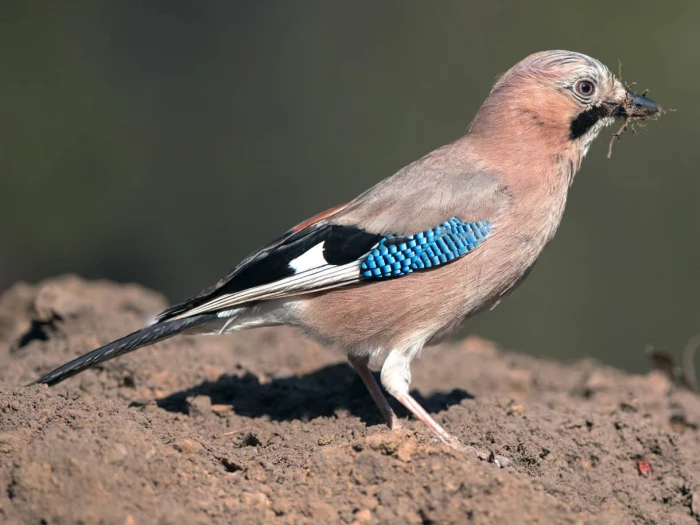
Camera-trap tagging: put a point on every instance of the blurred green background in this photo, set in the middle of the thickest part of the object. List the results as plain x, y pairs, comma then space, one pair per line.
162, 141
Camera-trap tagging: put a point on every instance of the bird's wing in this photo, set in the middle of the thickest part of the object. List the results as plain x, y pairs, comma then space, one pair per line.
322, 256
224, 284
428, 214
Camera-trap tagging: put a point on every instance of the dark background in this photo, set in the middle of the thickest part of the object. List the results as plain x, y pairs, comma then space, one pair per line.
160, 142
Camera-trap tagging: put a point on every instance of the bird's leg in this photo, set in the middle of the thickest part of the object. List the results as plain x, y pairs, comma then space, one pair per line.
396, 377
419, 412
360, 364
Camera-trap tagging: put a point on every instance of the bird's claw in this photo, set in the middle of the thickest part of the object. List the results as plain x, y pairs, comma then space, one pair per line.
491, 457
484, 455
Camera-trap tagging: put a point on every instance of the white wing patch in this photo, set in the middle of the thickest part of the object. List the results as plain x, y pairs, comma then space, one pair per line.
309, 260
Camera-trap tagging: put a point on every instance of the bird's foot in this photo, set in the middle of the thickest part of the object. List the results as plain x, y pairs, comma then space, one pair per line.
489, 455
392, 421
484, 455
447, 438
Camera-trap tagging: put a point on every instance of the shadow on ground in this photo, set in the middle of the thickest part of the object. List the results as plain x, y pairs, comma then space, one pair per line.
321, 393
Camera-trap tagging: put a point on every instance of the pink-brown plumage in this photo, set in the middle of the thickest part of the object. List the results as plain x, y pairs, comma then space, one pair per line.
512, 168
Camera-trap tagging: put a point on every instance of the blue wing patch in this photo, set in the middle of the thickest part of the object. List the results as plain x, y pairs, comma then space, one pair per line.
397, 256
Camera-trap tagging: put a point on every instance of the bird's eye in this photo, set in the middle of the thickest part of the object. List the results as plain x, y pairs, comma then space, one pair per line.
585, 88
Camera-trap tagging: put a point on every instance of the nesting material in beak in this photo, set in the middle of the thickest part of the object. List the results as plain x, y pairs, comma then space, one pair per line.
635, 107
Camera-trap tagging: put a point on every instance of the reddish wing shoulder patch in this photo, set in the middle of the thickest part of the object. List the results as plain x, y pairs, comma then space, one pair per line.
318, 217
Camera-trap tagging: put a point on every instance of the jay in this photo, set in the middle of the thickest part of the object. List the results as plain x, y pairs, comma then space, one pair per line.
405, 263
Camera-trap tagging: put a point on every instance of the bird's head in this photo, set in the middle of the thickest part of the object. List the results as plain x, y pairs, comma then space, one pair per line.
560, 99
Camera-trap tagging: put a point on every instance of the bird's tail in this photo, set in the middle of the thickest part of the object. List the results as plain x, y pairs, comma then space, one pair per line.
146, 336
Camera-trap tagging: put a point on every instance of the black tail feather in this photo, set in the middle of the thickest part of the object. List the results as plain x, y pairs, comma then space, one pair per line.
146, 336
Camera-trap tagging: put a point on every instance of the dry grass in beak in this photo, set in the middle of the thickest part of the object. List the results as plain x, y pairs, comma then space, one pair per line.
632, 121
629, 123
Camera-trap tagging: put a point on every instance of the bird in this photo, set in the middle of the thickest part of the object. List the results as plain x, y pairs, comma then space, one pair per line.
405, 263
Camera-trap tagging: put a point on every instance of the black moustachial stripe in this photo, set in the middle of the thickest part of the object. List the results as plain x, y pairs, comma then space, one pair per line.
585, 120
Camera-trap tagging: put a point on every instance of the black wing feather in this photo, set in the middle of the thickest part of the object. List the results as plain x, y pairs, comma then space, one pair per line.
342, 244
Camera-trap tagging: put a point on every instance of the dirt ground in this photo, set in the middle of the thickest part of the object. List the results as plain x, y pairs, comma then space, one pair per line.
266, 427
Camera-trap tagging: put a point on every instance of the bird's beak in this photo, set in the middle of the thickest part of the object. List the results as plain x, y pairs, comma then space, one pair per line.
636, 106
